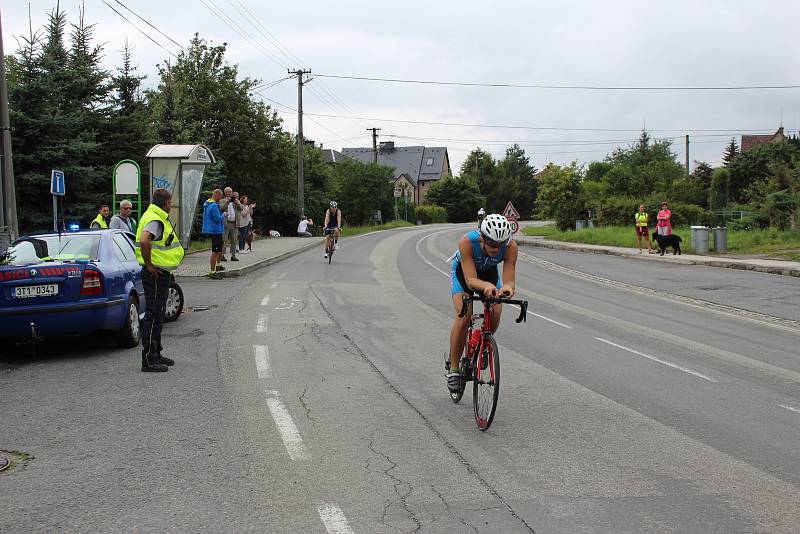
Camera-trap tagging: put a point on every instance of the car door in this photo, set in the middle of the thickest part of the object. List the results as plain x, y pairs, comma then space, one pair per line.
133, 271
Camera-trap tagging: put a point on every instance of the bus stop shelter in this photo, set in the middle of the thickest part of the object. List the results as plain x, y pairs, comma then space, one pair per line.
179, 169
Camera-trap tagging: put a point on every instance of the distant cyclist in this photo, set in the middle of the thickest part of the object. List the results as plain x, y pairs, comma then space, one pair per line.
476, 269
332, 226
481, 215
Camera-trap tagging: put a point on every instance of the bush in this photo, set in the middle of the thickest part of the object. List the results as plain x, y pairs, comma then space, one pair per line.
619, 211
431, 214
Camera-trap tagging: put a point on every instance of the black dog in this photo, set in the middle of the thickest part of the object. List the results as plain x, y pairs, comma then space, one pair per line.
665, 241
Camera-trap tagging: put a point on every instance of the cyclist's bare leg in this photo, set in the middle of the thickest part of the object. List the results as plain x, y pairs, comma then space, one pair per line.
497, 311
458, 332
328, 242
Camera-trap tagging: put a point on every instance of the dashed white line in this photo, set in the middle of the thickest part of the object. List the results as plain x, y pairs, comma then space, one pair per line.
263, 323
419, 253
790, 408
262, 361
265, 301
334, 519
288, 430
273, 285
658, 360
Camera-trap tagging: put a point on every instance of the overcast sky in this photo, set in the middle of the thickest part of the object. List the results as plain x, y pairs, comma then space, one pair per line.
686, 43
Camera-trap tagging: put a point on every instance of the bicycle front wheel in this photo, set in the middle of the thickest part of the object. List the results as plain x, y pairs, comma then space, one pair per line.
486, 384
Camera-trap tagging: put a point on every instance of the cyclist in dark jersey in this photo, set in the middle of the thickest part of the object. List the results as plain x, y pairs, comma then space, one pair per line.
476, 269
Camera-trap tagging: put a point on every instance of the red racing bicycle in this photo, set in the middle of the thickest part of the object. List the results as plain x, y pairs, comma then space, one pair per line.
480, 362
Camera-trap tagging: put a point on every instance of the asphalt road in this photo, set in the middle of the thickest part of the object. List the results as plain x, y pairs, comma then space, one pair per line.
311, 398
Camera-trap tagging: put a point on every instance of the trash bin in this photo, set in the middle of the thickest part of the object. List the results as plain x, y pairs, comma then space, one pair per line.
700, 239
580, 224
720, 240
591, 224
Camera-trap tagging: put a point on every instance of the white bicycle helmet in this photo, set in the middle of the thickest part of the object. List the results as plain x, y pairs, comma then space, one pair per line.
333, 203
481, 212
496, 227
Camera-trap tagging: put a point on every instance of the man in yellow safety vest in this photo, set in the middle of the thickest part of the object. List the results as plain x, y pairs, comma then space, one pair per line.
101, 221
160, 252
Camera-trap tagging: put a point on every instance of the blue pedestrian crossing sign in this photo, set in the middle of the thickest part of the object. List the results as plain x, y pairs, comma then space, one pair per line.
57, 183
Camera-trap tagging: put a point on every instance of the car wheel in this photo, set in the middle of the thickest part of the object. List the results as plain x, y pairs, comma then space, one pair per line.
174, 306
129, 335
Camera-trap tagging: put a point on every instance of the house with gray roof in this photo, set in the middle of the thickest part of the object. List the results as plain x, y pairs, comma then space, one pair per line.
418, 166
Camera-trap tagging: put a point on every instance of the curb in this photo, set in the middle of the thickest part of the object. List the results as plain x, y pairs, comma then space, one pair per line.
267, 261
597, 249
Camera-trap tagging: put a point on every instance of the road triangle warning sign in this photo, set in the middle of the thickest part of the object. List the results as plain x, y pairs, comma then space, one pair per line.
510, 212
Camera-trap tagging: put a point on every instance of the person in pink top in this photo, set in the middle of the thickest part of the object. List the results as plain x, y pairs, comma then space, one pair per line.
664, 224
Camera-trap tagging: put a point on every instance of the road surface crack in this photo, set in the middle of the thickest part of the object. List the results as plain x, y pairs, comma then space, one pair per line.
401, 488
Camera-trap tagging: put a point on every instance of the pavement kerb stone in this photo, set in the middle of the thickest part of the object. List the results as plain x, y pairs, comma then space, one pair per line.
790, 269
267, 261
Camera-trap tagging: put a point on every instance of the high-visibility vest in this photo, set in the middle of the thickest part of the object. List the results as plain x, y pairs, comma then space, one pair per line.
100, 221
641, 219
167, 252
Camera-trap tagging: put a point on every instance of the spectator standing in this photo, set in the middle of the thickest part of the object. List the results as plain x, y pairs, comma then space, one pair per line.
302, 228
159, 250
213, 227
101, 221
230, 205
642, 229
664, 224
244, 221
123, 220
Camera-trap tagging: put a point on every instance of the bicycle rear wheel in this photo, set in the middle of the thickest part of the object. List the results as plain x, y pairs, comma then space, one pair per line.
330, 252
486, 383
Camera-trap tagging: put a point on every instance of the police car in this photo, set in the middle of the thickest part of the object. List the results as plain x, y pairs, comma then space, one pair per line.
58, 284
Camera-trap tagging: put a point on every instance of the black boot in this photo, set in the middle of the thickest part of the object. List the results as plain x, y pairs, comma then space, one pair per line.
153, 365
166, 361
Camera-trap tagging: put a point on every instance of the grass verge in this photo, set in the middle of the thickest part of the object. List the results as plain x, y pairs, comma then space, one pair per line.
355, 230
776, 243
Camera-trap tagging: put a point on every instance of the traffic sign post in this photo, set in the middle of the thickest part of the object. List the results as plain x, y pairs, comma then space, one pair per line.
58, 188
511, 213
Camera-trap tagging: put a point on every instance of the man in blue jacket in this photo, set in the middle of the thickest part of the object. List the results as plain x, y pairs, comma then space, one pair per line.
213, 227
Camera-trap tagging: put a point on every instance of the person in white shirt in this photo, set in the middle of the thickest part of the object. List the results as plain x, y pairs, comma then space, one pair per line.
302, 228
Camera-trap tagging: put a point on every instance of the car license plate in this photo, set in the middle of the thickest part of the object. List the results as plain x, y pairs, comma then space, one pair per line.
46, 290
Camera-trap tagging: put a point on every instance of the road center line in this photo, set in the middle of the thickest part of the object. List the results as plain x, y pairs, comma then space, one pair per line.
419, 253
657, 360
262, 324
273, 285
288, 430
265, 301
334, 520
262, 361
790, 408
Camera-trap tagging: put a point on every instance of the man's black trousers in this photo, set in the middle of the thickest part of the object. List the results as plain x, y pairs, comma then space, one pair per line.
156, 290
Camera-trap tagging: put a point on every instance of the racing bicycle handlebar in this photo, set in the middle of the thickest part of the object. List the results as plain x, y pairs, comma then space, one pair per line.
488, 301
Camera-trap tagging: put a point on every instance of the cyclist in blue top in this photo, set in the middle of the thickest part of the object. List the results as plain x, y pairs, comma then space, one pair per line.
476, 269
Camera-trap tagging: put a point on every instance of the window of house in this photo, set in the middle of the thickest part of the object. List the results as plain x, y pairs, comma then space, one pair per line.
429, 162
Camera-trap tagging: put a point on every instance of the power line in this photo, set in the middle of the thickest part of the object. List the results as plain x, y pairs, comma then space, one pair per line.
572, 87
139, 29
546, 128
148, 23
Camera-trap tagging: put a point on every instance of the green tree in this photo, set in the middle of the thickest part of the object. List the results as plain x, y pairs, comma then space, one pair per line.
731, 151
719, 190
560, 193
362, 189
517, 175
459, 196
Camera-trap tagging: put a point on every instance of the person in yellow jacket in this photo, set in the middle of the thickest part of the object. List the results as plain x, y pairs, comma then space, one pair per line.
101, 221
642, 230
159, 250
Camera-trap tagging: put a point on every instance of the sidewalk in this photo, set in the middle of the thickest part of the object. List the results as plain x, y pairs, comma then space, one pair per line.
786, 268
265, 252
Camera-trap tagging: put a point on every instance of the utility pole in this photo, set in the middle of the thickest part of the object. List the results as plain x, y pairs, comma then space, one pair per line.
9, 228
300, 140
687, 154
374, 143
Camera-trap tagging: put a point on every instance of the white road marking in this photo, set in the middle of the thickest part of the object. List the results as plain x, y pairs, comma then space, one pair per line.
419, 253
262, 361
653, 358
283, 275
288, 430
790, 408
262, 324
273, 285
334, 520
265, 301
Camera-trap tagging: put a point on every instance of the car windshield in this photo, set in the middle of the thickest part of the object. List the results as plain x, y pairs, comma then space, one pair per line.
54, 247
